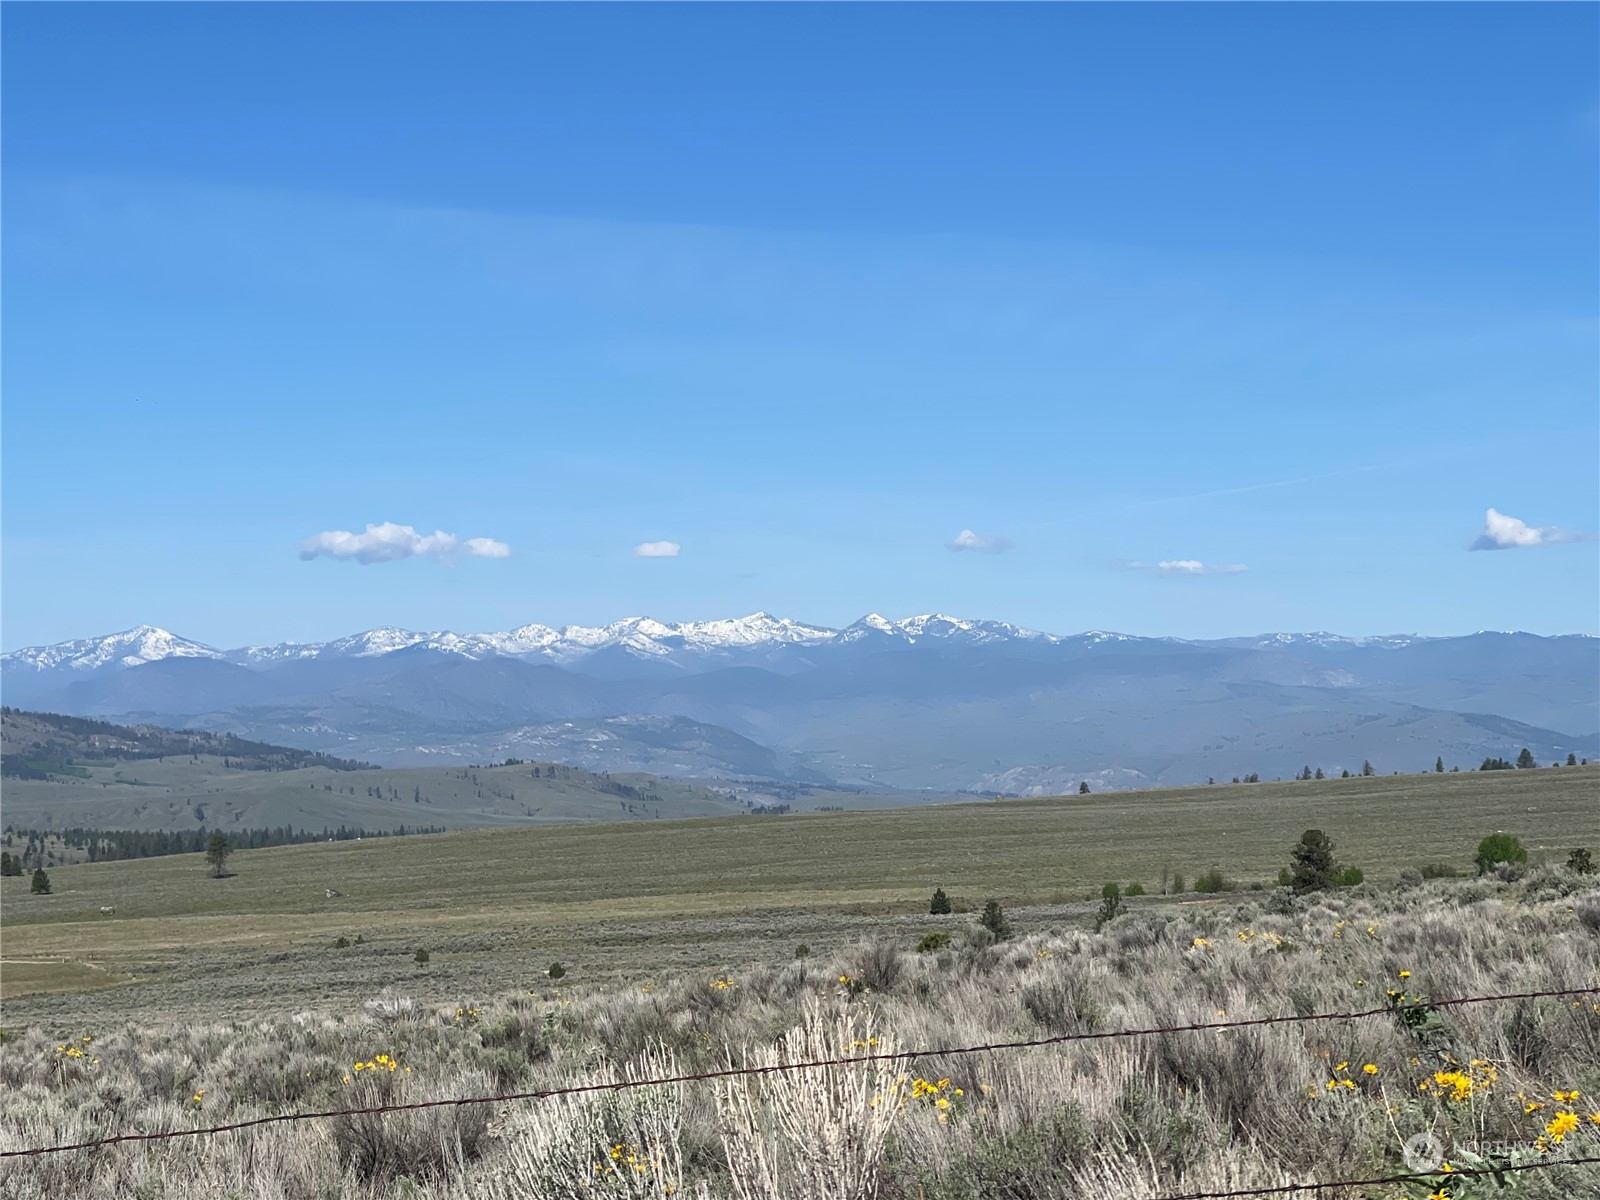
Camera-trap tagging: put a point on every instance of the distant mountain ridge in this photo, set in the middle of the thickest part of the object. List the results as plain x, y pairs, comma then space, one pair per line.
924, 702
643, 636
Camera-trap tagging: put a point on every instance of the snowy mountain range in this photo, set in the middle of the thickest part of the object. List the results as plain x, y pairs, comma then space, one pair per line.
640, 636
929, 701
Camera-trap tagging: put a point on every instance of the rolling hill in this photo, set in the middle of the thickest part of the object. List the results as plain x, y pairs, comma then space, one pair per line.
95, 775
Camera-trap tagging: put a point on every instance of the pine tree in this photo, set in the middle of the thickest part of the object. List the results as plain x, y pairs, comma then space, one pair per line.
1572, 760
1525, 759
1083, 788
1311, 863
217, 851
941, 903
1366, 768
1319, 774
1438, 765
41, 883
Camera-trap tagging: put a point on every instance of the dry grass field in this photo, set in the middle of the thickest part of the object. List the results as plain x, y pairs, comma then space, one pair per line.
627, 901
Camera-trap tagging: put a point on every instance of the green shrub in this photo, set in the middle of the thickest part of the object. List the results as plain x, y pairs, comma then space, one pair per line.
1438, 870
1499, 848
556, 970
1211, 882
1349, 877
1178, 886
341, 943
1581, 861
994, 920
932, 943
422, 957
1110, 906
802, 950
1133, 889
940, 905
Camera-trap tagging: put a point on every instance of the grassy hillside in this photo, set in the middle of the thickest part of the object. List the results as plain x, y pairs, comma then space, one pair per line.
494, 908
37, 745
116, 777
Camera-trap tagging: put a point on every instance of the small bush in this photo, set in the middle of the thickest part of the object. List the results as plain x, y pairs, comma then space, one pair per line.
1580, 860
1499, 848
556, 970
802, 950
422, 957
878, 965
341, 943
1349, 877
1133, 889
931, 943
994, 920
1178, 886
1211, 882
1111, 906
381, 1147
1438, 870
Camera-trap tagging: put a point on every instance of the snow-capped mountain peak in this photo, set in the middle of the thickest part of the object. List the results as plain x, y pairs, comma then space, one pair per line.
130, 648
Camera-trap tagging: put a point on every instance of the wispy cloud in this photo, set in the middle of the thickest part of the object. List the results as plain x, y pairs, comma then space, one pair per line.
389, 542
1502, 532
980, 542
657, 550
1180, 568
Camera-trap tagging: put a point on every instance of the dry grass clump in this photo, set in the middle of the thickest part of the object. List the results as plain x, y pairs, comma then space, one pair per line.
1248, 1107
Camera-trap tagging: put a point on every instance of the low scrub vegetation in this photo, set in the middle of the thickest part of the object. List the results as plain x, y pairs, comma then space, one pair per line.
1126, 1117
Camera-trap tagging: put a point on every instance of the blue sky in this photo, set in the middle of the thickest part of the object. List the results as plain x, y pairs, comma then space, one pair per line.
806, 291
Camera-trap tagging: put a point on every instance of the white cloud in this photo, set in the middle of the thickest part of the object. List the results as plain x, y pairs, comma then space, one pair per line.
657, 550
486, 548
389, 542
1193, 566
1177, 568
1501, 532
981, 542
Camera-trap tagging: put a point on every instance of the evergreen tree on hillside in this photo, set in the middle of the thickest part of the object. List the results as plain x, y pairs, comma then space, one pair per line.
1083, 788
1438, 765
9, 865
217, 851
41, 883
1311, 866
1366, 768
940, 904
1525, 759
1572, 760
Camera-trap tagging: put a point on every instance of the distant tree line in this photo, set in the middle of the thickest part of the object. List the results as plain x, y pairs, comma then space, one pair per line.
111, 845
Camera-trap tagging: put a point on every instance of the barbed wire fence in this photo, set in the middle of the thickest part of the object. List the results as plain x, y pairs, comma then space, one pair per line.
901, 1056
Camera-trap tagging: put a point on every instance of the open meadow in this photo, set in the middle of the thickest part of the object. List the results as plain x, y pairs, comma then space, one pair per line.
629, 901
